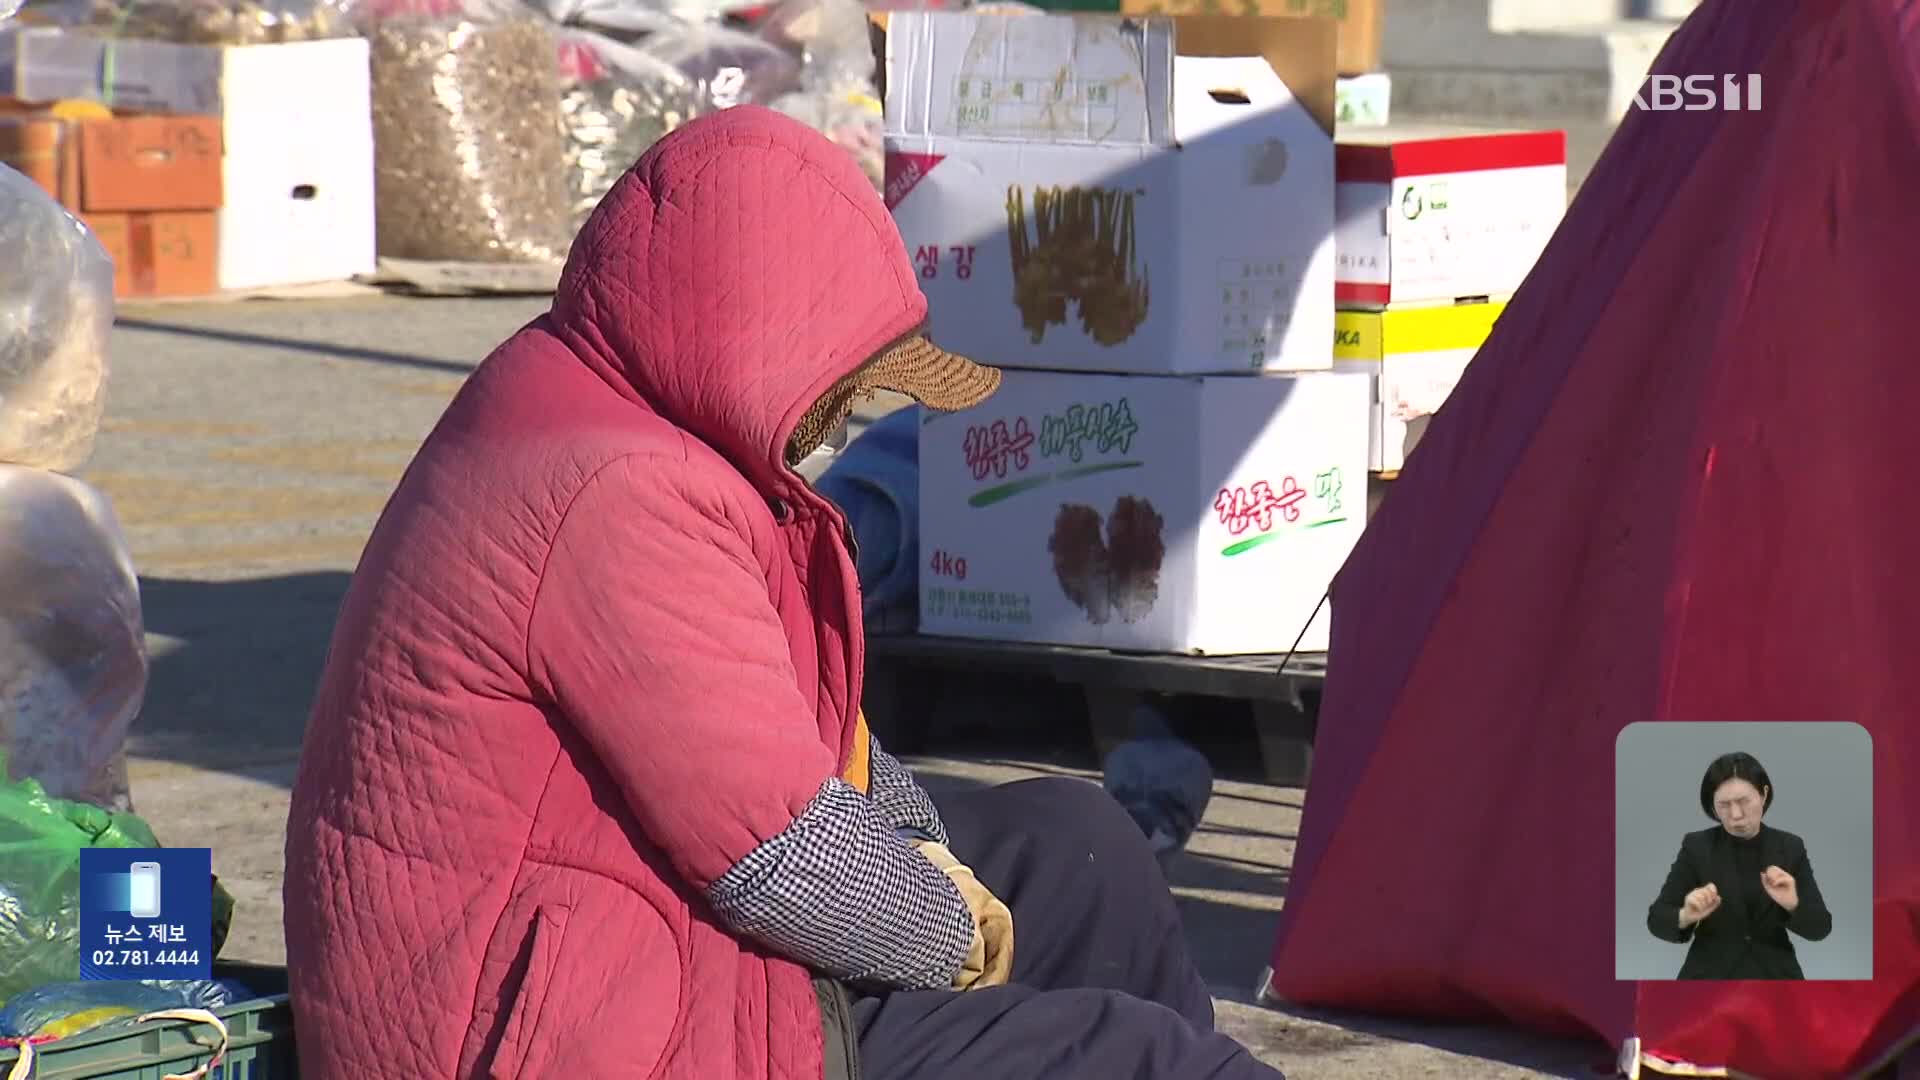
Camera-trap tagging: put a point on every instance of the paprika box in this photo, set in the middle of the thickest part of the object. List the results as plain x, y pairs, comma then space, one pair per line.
1414, 357
1437, 214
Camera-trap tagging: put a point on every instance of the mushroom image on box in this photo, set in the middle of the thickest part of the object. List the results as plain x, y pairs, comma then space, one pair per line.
1118, 573
1080, 247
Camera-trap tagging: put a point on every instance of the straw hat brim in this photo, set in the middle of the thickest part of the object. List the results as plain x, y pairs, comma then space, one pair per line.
938, 379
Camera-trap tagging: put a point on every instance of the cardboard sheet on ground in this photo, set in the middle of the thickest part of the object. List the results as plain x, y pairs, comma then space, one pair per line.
1672, 486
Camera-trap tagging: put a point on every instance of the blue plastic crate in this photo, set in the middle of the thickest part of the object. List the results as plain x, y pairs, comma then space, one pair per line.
259, 1042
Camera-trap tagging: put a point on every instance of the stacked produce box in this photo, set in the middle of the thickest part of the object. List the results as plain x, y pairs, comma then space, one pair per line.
1134, 219
1437, 228
272, 140
443, 145
150, 188
1364, 91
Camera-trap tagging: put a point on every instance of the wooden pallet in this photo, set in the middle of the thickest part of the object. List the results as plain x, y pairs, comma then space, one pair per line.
1277, 687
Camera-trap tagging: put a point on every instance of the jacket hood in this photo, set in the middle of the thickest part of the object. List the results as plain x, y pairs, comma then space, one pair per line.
737, 271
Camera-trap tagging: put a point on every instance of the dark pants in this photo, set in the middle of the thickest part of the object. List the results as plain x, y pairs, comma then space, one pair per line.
1102, 984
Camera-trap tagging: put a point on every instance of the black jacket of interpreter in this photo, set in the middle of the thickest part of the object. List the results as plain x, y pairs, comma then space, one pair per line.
1746, 937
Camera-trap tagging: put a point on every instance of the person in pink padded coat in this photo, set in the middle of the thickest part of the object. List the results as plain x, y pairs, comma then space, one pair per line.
586, 791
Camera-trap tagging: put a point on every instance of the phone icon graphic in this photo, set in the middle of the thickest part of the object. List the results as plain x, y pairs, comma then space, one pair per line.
143, 893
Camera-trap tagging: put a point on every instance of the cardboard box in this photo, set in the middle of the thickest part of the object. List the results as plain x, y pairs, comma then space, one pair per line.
1440, 214
42, 150
1363, 101
121, 164
1145, 513
157, 254
1361, 21
296, 125
1091, 193
1414, 358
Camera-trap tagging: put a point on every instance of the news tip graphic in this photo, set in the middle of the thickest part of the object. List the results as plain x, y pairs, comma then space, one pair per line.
146, 913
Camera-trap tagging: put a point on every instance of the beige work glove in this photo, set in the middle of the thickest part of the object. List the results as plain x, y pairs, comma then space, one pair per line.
990, 961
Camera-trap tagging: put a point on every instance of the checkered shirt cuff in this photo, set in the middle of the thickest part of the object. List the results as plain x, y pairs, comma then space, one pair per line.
899, 798
838, 891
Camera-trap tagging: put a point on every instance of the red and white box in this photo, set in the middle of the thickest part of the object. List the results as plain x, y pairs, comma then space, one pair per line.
1429, 214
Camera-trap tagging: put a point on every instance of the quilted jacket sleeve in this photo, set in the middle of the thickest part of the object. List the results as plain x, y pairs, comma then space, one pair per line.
652, 635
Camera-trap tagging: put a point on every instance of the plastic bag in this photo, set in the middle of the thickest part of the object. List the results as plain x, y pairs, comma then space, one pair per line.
367, 14
852, 119
467, 140
216, 22
610, 122
832, 38
622, 20
58, 1010
40, 843
622, 97
56, 312
731, 67
73, 659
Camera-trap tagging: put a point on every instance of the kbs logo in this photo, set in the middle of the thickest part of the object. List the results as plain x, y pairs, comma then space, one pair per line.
1699, 93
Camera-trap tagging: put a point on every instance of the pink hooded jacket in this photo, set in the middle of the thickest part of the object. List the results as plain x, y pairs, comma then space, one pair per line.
601, 646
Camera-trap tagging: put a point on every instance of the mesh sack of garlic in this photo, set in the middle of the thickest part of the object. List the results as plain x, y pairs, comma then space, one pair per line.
468, 140
616, 101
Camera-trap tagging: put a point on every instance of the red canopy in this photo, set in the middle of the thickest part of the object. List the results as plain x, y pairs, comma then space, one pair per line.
1676, 484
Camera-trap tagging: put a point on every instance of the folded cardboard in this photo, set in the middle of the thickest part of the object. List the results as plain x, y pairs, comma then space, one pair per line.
119, 164
1432, 214
1361, 21
1148, 513
1099, 194
1414, 358
160, 253
295, 123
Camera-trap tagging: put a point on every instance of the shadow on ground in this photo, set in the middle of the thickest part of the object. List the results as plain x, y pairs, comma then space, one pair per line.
273, 341
234, 665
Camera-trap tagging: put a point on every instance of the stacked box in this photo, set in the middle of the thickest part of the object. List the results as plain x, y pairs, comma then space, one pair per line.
295, 128
1428, 217
1133, 218
1188, 514
149, 187
1414, 356
1364, 92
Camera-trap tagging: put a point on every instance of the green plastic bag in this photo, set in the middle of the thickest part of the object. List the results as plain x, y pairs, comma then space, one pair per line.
40, 842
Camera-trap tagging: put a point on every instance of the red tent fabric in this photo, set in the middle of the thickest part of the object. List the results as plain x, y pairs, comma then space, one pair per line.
1674, 485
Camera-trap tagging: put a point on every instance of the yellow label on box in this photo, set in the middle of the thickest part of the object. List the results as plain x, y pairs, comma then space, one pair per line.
1376, 335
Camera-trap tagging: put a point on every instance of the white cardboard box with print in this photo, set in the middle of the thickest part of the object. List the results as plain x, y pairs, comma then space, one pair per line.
1181, 514
1092, 193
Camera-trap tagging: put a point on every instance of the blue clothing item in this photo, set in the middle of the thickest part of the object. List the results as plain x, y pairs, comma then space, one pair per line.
876, 482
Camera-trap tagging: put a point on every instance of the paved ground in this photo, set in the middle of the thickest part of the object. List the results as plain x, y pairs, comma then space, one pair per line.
248, 449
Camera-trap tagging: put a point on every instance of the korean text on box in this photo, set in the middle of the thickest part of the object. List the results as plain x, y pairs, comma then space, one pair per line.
1135, 195
1199, 514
